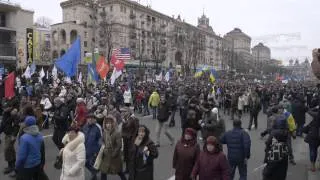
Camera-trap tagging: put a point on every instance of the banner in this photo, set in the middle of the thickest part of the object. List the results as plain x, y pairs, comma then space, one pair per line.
9, 86
29, 46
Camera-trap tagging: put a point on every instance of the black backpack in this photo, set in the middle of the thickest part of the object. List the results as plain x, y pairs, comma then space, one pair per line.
278, 151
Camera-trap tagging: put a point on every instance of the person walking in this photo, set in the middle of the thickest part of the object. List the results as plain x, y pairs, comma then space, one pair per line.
73, 155
185, 154
254, 109
164, 112
142, 155
31, 151
154, 101
111, 162
93, 133
239, 149
211, 162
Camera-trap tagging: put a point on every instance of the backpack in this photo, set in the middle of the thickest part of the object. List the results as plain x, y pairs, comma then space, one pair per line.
278, 151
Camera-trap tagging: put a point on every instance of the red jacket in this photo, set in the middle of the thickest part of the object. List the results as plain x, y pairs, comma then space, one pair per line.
211, 166
81, 115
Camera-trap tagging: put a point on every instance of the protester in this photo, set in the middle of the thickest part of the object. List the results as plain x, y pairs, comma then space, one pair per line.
73, 155
211, 162
142, 155
185, 154
60, 122
154, 101
239, 149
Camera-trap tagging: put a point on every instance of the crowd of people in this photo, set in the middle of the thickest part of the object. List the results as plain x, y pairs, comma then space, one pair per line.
97, 128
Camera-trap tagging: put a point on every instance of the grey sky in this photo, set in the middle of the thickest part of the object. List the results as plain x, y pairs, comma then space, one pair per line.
255, 17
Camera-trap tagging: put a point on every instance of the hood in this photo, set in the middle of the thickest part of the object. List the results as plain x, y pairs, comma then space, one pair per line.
72, 145
32, 130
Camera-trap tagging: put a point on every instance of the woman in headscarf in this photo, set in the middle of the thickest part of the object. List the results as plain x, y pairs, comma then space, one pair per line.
111, 160
185, 154
212, 162
142, 155
73, 155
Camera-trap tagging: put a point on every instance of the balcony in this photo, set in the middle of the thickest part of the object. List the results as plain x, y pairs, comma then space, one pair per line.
8, 49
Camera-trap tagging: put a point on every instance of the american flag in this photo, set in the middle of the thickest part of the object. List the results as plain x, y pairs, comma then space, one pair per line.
122, 53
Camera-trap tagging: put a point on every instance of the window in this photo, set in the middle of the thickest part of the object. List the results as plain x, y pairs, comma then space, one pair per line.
104, 9
111, 8
124, 9
85, 43
85, 34
85, 53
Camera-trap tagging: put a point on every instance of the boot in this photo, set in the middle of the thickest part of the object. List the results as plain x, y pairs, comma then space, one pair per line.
8, 169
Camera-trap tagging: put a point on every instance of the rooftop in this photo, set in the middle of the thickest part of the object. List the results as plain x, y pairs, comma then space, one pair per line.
7, 6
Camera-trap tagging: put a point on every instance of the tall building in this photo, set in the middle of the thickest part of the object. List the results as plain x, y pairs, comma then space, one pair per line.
14, 22
153, 37
261, 52
41, 48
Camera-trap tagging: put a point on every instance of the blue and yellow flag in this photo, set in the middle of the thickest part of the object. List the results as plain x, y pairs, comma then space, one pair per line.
213, 75
199, 73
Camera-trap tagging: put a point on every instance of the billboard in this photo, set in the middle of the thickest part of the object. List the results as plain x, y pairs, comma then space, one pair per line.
29, 46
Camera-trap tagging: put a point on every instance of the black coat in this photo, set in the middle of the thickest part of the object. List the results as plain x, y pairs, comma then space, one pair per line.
164, 112
299, 111
312, 131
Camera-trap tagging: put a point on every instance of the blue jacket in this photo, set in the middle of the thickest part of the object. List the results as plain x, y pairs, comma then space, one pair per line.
92, 139
29, 151
238, 143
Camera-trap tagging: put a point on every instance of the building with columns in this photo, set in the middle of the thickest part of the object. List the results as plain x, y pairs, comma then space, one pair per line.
261, 52
153, 37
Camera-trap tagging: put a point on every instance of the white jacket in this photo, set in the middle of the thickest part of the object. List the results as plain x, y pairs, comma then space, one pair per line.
46, 103
127, 97
74, 158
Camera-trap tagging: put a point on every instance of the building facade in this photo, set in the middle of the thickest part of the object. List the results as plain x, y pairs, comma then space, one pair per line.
261, 52
42, 46
14, 22
153, 38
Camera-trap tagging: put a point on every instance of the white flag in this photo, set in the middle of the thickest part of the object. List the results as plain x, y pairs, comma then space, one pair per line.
115, 75
68, 80
27, 73
167, 77
42, 74
54, 72
80, 78
47, 75
159, 77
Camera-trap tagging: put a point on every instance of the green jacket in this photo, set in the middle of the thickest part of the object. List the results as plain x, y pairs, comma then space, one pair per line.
154, 99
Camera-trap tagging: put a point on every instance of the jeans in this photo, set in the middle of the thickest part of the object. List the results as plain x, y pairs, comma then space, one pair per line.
121, 175
159, 127
29, 173
154, 112
299, 129
313, 149
89, 165
242, 168
253, 119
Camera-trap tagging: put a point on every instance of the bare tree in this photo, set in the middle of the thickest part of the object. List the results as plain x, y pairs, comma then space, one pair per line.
44, 22
105, 33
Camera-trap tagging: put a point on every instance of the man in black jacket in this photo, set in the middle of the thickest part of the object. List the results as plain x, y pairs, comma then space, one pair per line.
164, 112
60, 121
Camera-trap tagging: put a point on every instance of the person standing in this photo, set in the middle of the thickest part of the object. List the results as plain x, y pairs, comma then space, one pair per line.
60, 122
73, 155
211, 162
254, 109
154, 101
31, 153
164, 112
111, 159
239, 149
142, 155
185, 154
93, 133
46, 106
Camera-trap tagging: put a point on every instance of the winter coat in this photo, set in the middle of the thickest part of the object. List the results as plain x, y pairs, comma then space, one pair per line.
81, 114
213, 125
31, 148
276, 170
154, 99
239, 145
140, 169
9, 124
184, 158
164, 112
60, 117
111, 159
254, 104
93, 135
312, 131
192, 119
74, 158
130, 127
127, 98
299, 111
211, 166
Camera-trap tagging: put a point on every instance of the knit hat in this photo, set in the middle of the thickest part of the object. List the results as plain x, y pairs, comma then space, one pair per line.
30, 121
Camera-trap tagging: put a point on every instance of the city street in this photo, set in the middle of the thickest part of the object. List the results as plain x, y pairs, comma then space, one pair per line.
163, 165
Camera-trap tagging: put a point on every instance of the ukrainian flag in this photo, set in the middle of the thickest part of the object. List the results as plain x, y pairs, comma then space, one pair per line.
213, 75
199, 73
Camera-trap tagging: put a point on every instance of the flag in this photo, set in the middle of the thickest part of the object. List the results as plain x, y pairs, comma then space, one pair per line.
115, 75
47, 75
92, 75
167, 76
102, 67
68, 63
54, 72
32, 68
80, 78
27, 73
159, 77
198, 73
9, 86
122, 54
42, 74
213, 75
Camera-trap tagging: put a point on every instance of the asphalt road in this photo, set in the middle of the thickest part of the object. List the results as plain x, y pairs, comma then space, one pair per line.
163, 165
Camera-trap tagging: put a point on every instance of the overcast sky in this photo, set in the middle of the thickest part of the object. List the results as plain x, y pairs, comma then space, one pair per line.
257, 18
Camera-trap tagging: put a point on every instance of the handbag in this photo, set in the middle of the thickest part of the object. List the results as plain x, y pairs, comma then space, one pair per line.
58, 162
98, 161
